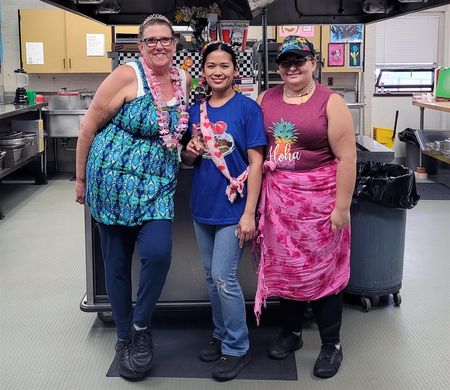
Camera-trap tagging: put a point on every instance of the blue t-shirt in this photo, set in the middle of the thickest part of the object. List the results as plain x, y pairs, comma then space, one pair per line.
238, 126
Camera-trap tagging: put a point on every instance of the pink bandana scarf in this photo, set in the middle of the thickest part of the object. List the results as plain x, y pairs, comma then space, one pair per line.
300, 257
236, 184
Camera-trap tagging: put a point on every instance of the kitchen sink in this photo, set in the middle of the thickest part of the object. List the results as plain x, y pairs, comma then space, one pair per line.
63, 123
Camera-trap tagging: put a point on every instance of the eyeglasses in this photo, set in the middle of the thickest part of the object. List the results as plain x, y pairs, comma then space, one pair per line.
298, 62
152, 42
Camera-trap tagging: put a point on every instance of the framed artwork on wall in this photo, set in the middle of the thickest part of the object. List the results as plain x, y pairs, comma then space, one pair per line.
354, 55
336, 54
305, 31
346, 32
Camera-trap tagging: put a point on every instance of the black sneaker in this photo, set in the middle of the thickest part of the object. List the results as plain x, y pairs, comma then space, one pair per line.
328, 362
287, 343
142, 350
123, 355
211, 352
229, 366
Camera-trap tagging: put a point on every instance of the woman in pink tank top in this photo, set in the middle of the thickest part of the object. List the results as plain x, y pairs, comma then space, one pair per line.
303, 240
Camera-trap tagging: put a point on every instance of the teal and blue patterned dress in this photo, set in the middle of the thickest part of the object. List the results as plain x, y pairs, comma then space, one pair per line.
131, 176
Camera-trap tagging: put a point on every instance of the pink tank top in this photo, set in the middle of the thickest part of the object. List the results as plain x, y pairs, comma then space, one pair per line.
297, 133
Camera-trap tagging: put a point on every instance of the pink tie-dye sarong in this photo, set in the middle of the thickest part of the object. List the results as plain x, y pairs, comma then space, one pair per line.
299, 256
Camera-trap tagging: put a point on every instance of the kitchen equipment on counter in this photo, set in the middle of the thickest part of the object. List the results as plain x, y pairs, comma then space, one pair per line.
21, 83
447, 145
63, 123
31, 96
70, 100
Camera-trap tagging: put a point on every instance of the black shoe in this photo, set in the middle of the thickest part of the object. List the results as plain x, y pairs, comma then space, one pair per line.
212, 352
229, 366
123, 355
328, 362
142, 350
287, 343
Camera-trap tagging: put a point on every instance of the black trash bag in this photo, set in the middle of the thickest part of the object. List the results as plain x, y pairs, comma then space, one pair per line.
390, 185
408, 136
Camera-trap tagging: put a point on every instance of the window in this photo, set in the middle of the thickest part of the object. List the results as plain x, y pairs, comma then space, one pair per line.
407, 52
404, 81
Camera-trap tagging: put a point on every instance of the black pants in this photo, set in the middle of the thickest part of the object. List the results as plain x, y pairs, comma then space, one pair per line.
327, 311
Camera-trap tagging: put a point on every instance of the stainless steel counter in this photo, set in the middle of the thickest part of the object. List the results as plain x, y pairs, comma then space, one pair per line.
367, 149
8, 110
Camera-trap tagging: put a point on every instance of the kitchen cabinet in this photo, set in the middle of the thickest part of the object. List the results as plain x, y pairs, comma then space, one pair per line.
64, 38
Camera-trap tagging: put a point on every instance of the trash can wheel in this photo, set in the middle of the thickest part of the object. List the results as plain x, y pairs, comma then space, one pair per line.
397, 299
366, 304
105, 316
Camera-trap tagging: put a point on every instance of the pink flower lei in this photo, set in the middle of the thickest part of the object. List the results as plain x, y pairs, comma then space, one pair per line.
170, 140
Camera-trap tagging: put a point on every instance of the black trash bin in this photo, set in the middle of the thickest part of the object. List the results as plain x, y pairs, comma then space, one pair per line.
382, 195
412, 152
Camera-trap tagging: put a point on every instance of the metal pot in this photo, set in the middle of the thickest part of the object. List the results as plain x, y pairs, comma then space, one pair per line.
439, 145
2, 156
8, 143
12, 155
447, 145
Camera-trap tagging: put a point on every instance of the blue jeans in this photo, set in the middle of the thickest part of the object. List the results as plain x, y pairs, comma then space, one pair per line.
220, 253
154, 240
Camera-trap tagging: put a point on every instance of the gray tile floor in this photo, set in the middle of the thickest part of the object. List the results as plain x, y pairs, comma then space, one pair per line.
47, 343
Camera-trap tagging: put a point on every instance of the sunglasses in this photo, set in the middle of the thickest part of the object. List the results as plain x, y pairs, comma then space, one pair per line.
152, 42
298, 62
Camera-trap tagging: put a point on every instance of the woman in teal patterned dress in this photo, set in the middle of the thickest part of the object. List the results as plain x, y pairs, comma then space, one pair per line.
126, 169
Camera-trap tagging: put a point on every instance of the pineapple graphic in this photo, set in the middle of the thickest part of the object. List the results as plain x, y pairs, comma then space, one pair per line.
285, 136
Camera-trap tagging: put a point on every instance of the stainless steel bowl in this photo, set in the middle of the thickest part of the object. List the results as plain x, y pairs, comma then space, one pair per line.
2, 156
447, 144
13, 142
15, 134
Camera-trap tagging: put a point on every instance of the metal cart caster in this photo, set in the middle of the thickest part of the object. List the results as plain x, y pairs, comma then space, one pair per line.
105, 316
366, 304
397, 299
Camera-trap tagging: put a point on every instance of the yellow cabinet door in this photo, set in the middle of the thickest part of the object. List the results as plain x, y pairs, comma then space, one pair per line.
130, 29
43, 41
55, 41
78, 30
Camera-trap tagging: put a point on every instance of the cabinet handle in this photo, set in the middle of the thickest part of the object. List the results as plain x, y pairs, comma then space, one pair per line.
64, 63
70, 62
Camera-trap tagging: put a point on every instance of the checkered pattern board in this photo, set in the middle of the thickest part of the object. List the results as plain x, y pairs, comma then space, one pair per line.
183, 59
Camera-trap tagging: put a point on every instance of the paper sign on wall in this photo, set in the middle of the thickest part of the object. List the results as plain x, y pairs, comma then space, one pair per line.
34, 52
95, 45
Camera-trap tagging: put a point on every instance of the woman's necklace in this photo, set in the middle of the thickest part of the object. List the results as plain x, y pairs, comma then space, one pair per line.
298, 94
170, 140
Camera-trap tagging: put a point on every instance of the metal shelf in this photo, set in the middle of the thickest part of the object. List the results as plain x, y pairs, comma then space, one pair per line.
20, 163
